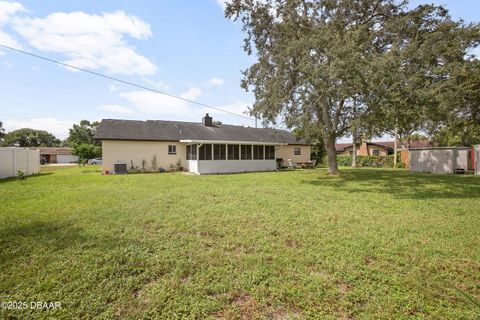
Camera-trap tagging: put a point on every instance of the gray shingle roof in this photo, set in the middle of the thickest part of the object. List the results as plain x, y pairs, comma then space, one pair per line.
159, 130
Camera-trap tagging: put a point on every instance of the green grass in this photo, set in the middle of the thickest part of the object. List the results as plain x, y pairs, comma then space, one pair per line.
370, 243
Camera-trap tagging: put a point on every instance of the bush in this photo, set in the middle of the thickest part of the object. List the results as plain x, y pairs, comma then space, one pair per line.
87, 151
370, 161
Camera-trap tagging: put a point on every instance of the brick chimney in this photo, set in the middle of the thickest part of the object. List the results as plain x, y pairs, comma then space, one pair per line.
207, 121
363, 150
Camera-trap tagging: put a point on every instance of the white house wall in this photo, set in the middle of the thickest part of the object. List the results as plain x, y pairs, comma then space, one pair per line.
121, 151
63, 158
231, 166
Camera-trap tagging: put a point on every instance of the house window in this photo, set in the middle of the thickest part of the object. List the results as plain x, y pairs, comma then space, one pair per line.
219, 152
233, 152
257, 152
205, 152
269, 153
376, 152
297, 151
172, 149
192, 152
351, 153
246, 152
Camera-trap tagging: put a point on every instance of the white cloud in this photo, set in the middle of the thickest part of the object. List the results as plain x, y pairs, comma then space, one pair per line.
7, 11
216, 82
116, 109
160, 85
192, 94
149, 102
7, 65
89, 40
112, 88
53, 125
239, 107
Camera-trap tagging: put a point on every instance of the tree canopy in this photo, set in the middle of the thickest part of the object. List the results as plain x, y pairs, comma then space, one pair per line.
87, 151
325, 64
2, 131
83, 133
27, 137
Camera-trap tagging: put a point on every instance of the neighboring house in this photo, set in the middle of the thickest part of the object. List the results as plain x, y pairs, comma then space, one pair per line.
199, 147
379, 148
57, 154
366, 148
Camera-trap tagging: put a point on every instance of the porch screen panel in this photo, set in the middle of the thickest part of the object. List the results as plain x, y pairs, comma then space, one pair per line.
205, 152
191, 152
233, 152
257, 152
219, 152
269, 153
246, 152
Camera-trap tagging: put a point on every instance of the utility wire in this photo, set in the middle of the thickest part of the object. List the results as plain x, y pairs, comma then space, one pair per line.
122, 81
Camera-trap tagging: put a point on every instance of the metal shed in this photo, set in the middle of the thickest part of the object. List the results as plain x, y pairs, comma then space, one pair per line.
441, 159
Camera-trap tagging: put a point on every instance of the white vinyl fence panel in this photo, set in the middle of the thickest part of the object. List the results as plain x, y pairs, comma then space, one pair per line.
18, 159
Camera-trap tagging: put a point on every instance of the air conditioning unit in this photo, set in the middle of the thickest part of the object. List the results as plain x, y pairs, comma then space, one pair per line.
120, 168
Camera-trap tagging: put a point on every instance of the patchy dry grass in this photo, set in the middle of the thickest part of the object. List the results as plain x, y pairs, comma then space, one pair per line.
289, 245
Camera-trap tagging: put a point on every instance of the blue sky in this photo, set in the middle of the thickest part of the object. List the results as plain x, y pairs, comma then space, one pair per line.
185, 48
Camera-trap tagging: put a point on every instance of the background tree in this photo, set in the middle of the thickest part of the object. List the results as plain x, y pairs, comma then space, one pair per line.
87, 151
459, 121
428, 51
83, 133
2, 132
27, 137
312, 59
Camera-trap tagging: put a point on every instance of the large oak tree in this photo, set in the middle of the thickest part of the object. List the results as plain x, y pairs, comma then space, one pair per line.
319, 61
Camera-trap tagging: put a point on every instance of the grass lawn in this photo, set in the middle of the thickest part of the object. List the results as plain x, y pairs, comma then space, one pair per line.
371, 243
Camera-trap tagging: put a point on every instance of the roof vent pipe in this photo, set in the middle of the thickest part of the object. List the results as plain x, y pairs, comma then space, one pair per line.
207, 121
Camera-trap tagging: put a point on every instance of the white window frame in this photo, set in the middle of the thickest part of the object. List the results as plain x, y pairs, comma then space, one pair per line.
174, 148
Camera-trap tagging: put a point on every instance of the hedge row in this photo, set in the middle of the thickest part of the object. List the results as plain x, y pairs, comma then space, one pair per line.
370, 161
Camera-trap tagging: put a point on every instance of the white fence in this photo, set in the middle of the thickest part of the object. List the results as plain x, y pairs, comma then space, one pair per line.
18, 159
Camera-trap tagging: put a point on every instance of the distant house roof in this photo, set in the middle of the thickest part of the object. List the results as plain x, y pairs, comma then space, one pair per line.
159, 130
53, 150
385, 144
390, 144
342, 146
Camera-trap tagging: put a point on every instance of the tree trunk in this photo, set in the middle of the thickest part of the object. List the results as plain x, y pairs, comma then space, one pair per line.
331, 154
354, 148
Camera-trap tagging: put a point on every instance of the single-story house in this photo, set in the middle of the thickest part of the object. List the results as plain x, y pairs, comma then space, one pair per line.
200, 148
57, 154
442, 159
380, 148
366, 148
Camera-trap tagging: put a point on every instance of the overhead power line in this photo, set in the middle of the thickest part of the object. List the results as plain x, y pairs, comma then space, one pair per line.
98, 74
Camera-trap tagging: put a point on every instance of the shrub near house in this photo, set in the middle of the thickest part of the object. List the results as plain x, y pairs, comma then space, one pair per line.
369, 161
